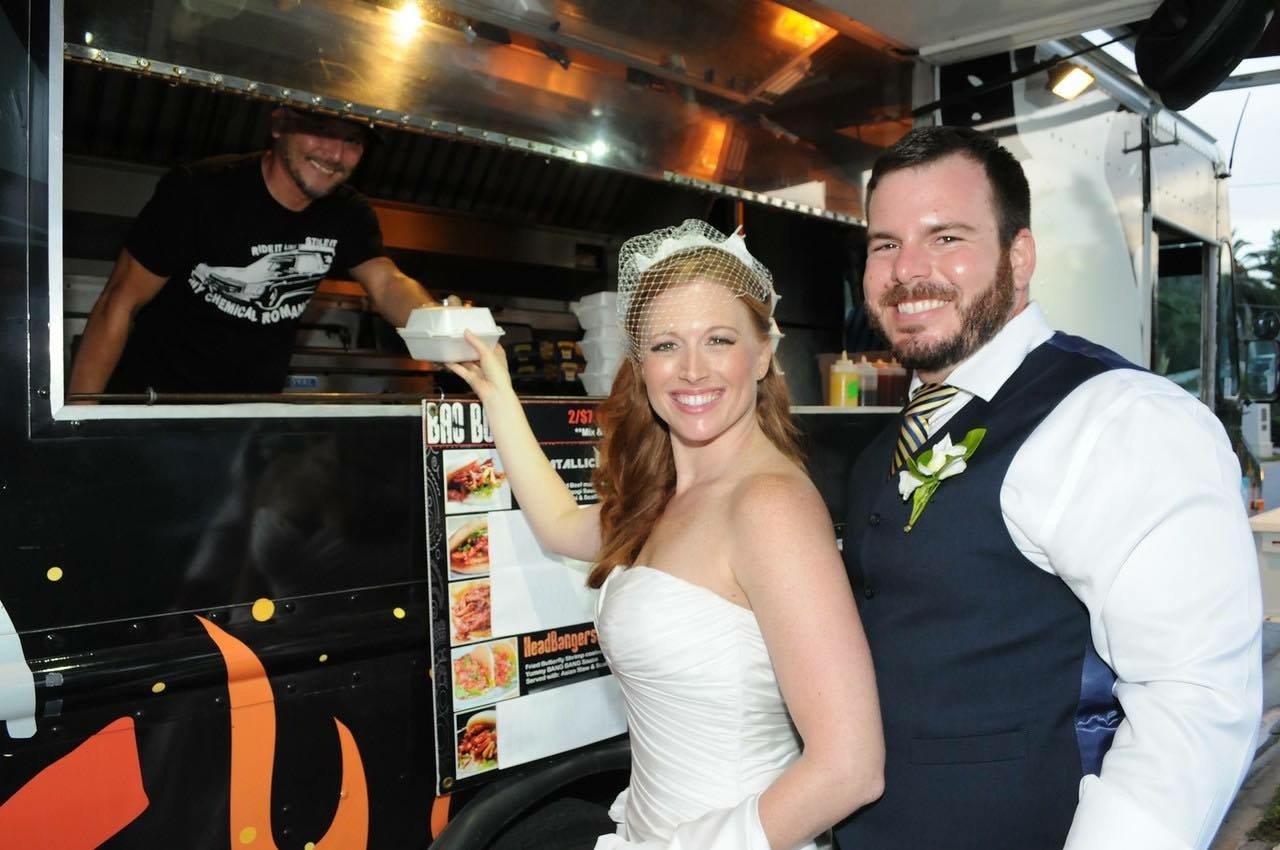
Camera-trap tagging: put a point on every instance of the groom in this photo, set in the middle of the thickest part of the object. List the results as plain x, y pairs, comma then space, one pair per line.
1067, 639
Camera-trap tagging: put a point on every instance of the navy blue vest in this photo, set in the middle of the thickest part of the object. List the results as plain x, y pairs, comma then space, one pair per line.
994, 701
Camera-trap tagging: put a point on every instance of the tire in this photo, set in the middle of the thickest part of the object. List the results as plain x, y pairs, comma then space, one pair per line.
567, 823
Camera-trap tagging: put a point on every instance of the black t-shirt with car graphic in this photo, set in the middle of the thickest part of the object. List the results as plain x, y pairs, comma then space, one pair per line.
241, 270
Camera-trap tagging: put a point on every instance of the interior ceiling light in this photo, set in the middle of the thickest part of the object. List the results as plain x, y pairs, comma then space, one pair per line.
800, 30
787, 79
406, 21
1068, 81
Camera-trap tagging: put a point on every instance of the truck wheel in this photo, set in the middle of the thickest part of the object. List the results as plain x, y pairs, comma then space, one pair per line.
566, 823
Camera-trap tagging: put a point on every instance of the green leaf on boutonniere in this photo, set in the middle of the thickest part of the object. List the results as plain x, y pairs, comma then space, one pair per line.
923, 474
972, 439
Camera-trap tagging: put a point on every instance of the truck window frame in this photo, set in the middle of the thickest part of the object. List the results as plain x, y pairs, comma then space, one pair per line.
51, 358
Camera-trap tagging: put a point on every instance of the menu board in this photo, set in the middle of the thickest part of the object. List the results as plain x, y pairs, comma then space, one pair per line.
517, 669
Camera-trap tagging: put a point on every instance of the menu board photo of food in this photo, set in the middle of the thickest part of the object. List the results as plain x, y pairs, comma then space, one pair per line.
468, 546
470, 611
477, 749
506, 666
485, 673
474, 481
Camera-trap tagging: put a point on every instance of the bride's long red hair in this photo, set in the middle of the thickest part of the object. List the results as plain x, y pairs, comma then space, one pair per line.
636, 476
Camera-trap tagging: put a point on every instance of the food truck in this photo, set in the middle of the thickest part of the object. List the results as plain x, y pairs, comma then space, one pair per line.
317, 618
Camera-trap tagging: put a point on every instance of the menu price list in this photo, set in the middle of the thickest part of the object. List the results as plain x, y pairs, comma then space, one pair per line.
526, 675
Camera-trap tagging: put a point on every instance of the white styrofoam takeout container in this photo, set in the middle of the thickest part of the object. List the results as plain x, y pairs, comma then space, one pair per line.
598, 350
608, 296
597, 385
595, 316
435, 333
612, 333
440, 320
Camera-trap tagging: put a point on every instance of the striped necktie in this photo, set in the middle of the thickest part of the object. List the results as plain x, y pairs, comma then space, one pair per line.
926, 401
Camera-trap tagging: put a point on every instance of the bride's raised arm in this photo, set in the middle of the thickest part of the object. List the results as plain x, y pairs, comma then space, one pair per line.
552, 512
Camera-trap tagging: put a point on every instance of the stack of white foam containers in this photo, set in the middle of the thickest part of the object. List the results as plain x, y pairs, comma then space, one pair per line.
602, 344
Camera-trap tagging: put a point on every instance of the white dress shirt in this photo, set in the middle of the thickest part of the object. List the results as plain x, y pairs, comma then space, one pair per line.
1129, 492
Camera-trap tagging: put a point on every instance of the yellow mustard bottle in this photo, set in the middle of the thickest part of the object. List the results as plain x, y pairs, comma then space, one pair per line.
842, 386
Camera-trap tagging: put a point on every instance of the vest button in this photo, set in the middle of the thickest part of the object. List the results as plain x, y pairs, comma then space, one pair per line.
868, 591
873, 520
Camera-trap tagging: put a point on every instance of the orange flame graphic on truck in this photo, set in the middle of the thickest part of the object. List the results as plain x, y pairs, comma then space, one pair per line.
82, 799
253, 745
94, 791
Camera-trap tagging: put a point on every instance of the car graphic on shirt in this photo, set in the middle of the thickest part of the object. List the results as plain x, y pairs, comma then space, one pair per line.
270, 281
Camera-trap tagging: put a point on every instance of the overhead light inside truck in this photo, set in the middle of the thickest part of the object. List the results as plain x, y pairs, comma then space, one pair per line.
1069, 81
406, 21
800, 30
786, 79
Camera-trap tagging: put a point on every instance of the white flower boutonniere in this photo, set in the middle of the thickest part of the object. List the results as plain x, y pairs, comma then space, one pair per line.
923, 474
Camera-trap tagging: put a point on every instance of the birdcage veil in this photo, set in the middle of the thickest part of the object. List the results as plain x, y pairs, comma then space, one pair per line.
651, 263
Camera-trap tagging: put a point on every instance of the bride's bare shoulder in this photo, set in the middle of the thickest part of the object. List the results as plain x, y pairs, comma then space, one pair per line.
780, 528
779, 496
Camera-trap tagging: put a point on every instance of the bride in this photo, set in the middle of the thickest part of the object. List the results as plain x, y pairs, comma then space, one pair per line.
724, 610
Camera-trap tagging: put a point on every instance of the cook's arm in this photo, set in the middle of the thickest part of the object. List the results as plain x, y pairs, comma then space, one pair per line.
129, 287
394, 293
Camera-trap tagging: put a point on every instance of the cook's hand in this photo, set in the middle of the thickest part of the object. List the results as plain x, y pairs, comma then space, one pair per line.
486, 374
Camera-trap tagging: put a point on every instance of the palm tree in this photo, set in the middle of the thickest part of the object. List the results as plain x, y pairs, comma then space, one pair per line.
1266, 261
1260, 282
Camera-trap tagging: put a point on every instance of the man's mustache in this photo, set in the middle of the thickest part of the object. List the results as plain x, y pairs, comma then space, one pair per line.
926, 291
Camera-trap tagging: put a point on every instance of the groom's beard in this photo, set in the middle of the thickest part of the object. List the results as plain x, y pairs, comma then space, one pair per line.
980, 320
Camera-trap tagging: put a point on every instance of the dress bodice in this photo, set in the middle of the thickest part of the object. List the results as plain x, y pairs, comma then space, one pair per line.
707, 722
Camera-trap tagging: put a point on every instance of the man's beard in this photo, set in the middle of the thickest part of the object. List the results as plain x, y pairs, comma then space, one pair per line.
294, 169
979, 321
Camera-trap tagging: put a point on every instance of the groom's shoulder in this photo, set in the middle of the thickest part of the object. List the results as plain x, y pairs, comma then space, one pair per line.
1065, 345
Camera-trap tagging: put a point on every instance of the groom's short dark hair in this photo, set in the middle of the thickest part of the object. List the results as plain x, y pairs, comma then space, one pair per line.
925, 145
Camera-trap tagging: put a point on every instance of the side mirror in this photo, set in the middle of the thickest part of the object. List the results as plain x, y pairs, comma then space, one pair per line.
1186, 48
1262, 363
1266, 325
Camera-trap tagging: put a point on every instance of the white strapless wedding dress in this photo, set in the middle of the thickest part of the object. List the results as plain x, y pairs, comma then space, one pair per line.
709, 730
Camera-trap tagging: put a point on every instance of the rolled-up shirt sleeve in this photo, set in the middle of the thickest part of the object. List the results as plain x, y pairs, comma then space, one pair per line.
1130, 493
161, 234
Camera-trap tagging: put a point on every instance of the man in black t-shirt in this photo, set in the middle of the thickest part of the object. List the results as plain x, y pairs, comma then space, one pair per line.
222, 261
